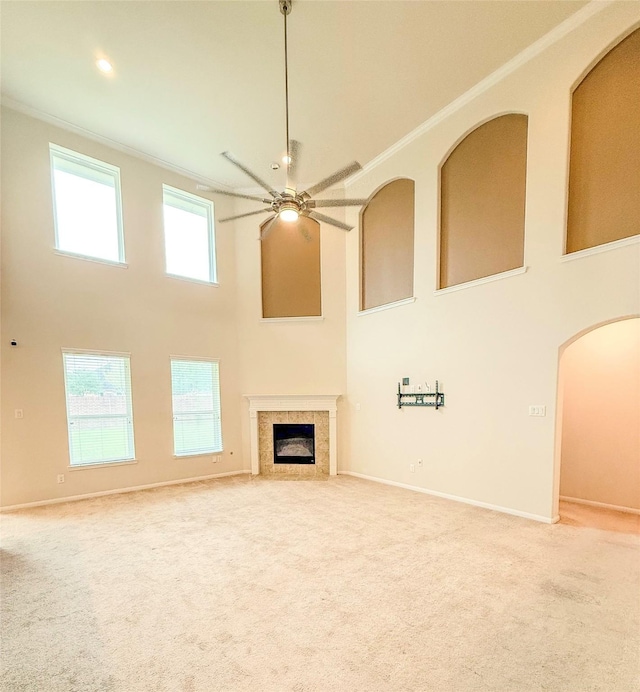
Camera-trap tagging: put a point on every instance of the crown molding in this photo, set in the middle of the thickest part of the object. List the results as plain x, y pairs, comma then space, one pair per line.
20, 107
522, 58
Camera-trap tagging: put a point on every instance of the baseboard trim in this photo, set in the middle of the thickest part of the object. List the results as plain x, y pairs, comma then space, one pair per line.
456, 498
601, 505
119, 491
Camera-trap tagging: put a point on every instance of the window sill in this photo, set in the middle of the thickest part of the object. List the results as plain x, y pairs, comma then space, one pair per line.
86, 258
596, 250
203, 282
102, 465
387, 306
479, 282
311, 318
199, 454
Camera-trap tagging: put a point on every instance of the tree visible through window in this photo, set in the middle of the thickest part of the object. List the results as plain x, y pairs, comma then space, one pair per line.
195, 386
99, 411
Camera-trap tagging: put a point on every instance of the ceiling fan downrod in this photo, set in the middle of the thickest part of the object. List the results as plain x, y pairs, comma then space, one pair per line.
291, 203
285, 9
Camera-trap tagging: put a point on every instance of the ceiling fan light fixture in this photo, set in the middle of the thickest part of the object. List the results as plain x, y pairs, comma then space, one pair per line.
289, 212
104, 65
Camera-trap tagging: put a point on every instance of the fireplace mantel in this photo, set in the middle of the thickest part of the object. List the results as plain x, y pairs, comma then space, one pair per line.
293, 402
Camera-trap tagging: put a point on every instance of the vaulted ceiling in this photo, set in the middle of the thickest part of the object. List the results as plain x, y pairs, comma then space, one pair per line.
192, 79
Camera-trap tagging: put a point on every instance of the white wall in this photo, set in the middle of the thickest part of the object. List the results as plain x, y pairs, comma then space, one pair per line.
494, 347
600, 375
51, 301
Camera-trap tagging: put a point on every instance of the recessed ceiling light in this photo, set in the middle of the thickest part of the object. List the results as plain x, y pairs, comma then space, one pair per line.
104, 65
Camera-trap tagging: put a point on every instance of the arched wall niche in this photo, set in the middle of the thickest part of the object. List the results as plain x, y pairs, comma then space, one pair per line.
604, 396
604, 163
290, 262
386, 244
482, 201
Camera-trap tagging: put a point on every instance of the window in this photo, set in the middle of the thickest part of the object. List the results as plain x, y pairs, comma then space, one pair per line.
290, 259
195, 386
99, 412
604, 174
87, 207
482, 202
188, 235
386, 245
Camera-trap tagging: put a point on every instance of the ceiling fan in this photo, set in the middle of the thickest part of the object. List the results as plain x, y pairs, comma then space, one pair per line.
291, 204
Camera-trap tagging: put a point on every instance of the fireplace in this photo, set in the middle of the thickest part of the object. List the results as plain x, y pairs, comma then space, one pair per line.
294, 443
320, 410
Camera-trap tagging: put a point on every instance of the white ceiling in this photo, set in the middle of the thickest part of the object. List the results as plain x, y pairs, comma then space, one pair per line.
192, 79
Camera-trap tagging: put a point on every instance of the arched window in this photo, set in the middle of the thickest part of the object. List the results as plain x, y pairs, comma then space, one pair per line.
386, 247
482, 188
291, 270
604, 177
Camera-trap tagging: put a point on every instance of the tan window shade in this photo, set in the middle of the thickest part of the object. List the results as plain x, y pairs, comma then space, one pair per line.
387, 245
604, 178
291, 270
482, 202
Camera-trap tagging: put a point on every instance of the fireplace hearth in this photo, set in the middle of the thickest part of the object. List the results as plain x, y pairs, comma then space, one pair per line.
294, 443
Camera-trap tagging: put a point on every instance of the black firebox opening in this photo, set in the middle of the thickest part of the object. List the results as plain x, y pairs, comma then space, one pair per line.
294, 443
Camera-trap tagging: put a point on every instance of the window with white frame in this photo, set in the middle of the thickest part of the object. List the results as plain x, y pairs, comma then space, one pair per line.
195, 386
99, 411
87, 206
188, 235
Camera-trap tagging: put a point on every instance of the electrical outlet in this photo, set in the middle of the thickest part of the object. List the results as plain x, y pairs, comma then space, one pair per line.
419, 463
539, 411
216, 458
358, 406
61, 478
412, 468
18, 413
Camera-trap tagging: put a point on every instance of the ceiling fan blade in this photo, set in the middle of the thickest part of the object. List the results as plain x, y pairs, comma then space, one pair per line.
231, 158
295, 150
268, 228
336, 203
241, 216
217, 191
327, 219
334, 178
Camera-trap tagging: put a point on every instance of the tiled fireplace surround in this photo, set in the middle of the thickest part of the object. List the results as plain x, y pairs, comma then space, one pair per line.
320, 410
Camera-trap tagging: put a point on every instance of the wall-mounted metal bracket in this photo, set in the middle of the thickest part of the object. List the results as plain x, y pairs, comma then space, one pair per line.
434, 399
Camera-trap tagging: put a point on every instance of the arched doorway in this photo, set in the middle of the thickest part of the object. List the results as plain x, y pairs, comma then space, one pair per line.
599, 426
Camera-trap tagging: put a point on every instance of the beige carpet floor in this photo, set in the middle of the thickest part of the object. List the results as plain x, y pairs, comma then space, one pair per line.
241, 584
576, 514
